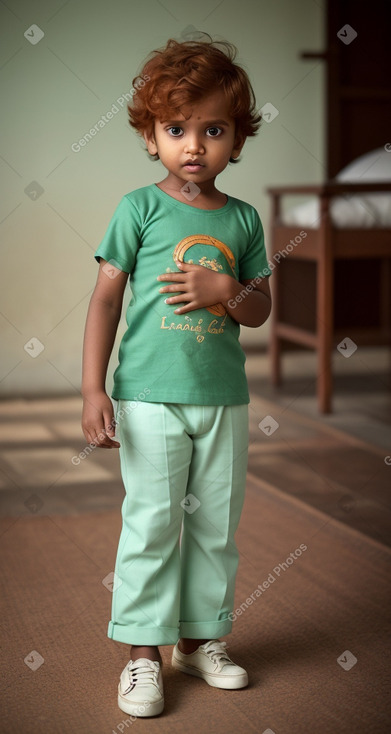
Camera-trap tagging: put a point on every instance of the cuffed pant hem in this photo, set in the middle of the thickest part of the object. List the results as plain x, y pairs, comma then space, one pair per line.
134, 635
203, 630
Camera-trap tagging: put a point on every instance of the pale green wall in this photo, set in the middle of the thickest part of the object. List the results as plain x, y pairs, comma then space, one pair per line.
54, 91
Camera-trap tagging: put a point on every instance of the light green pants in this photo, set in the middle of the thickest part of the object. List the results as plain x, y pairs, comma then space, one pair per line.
184, 472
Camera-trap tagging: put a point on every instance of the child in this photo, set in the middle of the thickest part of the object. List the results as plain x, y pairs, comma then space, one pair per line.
180, 385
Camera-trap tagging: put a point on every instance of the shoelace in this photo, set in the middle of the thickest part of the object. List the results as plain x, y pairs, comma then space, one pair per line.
141, 674
217, 651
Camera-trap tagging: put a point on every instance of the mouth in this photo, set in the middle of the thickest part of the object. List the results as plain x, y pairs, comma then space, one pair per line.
193, 166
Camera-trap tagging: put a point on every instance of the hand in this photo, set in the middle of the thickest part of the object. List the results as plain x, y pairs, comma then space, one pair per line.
98, 421
200, 287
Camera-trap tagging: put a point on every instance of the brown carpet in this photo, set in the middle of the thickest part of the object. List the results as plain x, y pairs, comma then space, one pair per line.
331, 599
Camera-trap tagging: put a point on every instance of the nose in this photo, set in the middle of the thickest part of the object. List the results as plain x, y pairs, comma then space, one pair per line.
193, 144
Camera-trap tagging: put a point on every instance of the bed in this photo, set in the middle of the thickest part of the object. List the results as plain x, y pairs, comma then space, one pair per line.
331, 259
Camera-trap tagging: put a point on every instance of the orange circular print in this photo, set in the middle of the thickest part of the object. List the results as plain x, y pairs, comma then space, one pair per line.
203, 239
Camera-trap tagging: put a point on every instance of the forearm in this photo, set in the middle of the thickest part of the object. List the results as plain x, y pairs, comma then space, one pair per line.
100, 330
200, 287
248, 307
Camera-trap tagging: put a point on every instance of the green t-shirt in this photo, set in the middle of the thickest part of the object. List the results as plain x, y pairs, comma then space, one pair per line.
192, 358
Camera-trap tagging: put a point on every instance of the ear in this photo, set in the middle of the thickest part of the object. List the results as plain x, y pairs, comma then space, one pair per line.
150, 142
238, 145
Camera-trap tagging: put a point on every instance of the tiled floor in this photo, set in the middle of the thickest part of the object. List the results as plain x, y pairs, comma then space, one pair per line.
338, 463
361, 394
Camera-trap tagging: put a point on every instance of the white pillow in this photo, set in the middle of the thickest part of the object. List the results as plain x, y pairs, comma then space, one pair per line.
358, 210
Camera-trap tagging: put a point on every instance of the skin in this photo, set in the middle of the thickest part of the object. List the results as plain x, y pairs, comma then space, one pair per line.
203, 137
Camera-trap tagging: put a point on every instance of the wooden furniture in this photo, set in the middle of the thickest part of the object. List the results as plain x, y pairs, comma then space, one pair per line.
357, 80
334, 284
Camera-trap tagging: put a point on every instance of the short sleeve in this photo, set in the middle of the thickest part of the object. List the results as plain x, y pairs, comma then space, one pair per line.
122, 238
254, 261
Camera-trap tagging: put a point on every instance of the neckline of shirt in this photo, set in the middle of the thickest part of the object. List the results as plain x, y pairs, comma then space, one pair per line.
186, 207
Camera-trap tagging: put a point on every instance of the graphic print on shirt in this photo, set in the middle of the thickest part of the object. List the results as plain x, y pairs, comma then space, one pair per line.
204, 239
221, 261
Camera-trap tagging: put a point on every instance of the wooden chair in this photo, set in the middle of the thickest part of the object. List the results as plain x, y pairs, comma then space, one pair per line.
309, 302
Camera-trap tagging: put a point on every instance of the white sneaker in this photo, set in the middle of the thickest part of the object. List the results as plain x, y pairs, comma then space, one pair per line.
140, 690
211, 662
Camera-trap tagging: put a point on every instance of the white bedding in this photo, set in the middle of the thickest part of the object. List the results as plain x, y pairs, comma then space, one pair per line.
359, 210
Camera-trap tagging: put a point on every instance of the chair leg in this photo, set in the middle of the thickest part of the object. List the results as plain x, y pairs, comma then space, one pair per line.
275, 340
324, 379
325, 311
275, 355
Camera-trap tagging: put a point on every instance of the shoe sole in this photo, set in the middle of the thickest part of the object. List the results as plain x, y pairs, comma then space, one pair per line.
239, 681
142, 709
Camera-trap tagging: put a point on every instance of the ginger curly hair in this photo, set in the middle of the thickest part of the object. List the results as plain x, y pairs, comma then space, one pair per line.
180, 74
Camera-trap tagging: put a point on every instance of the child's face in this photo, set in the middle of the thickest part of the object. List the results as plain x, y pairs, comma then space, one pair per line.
207, 137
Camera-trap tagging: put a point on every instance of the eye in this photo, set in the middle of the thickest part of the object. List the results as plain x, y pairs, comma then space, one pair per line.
174, 131
214, 131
